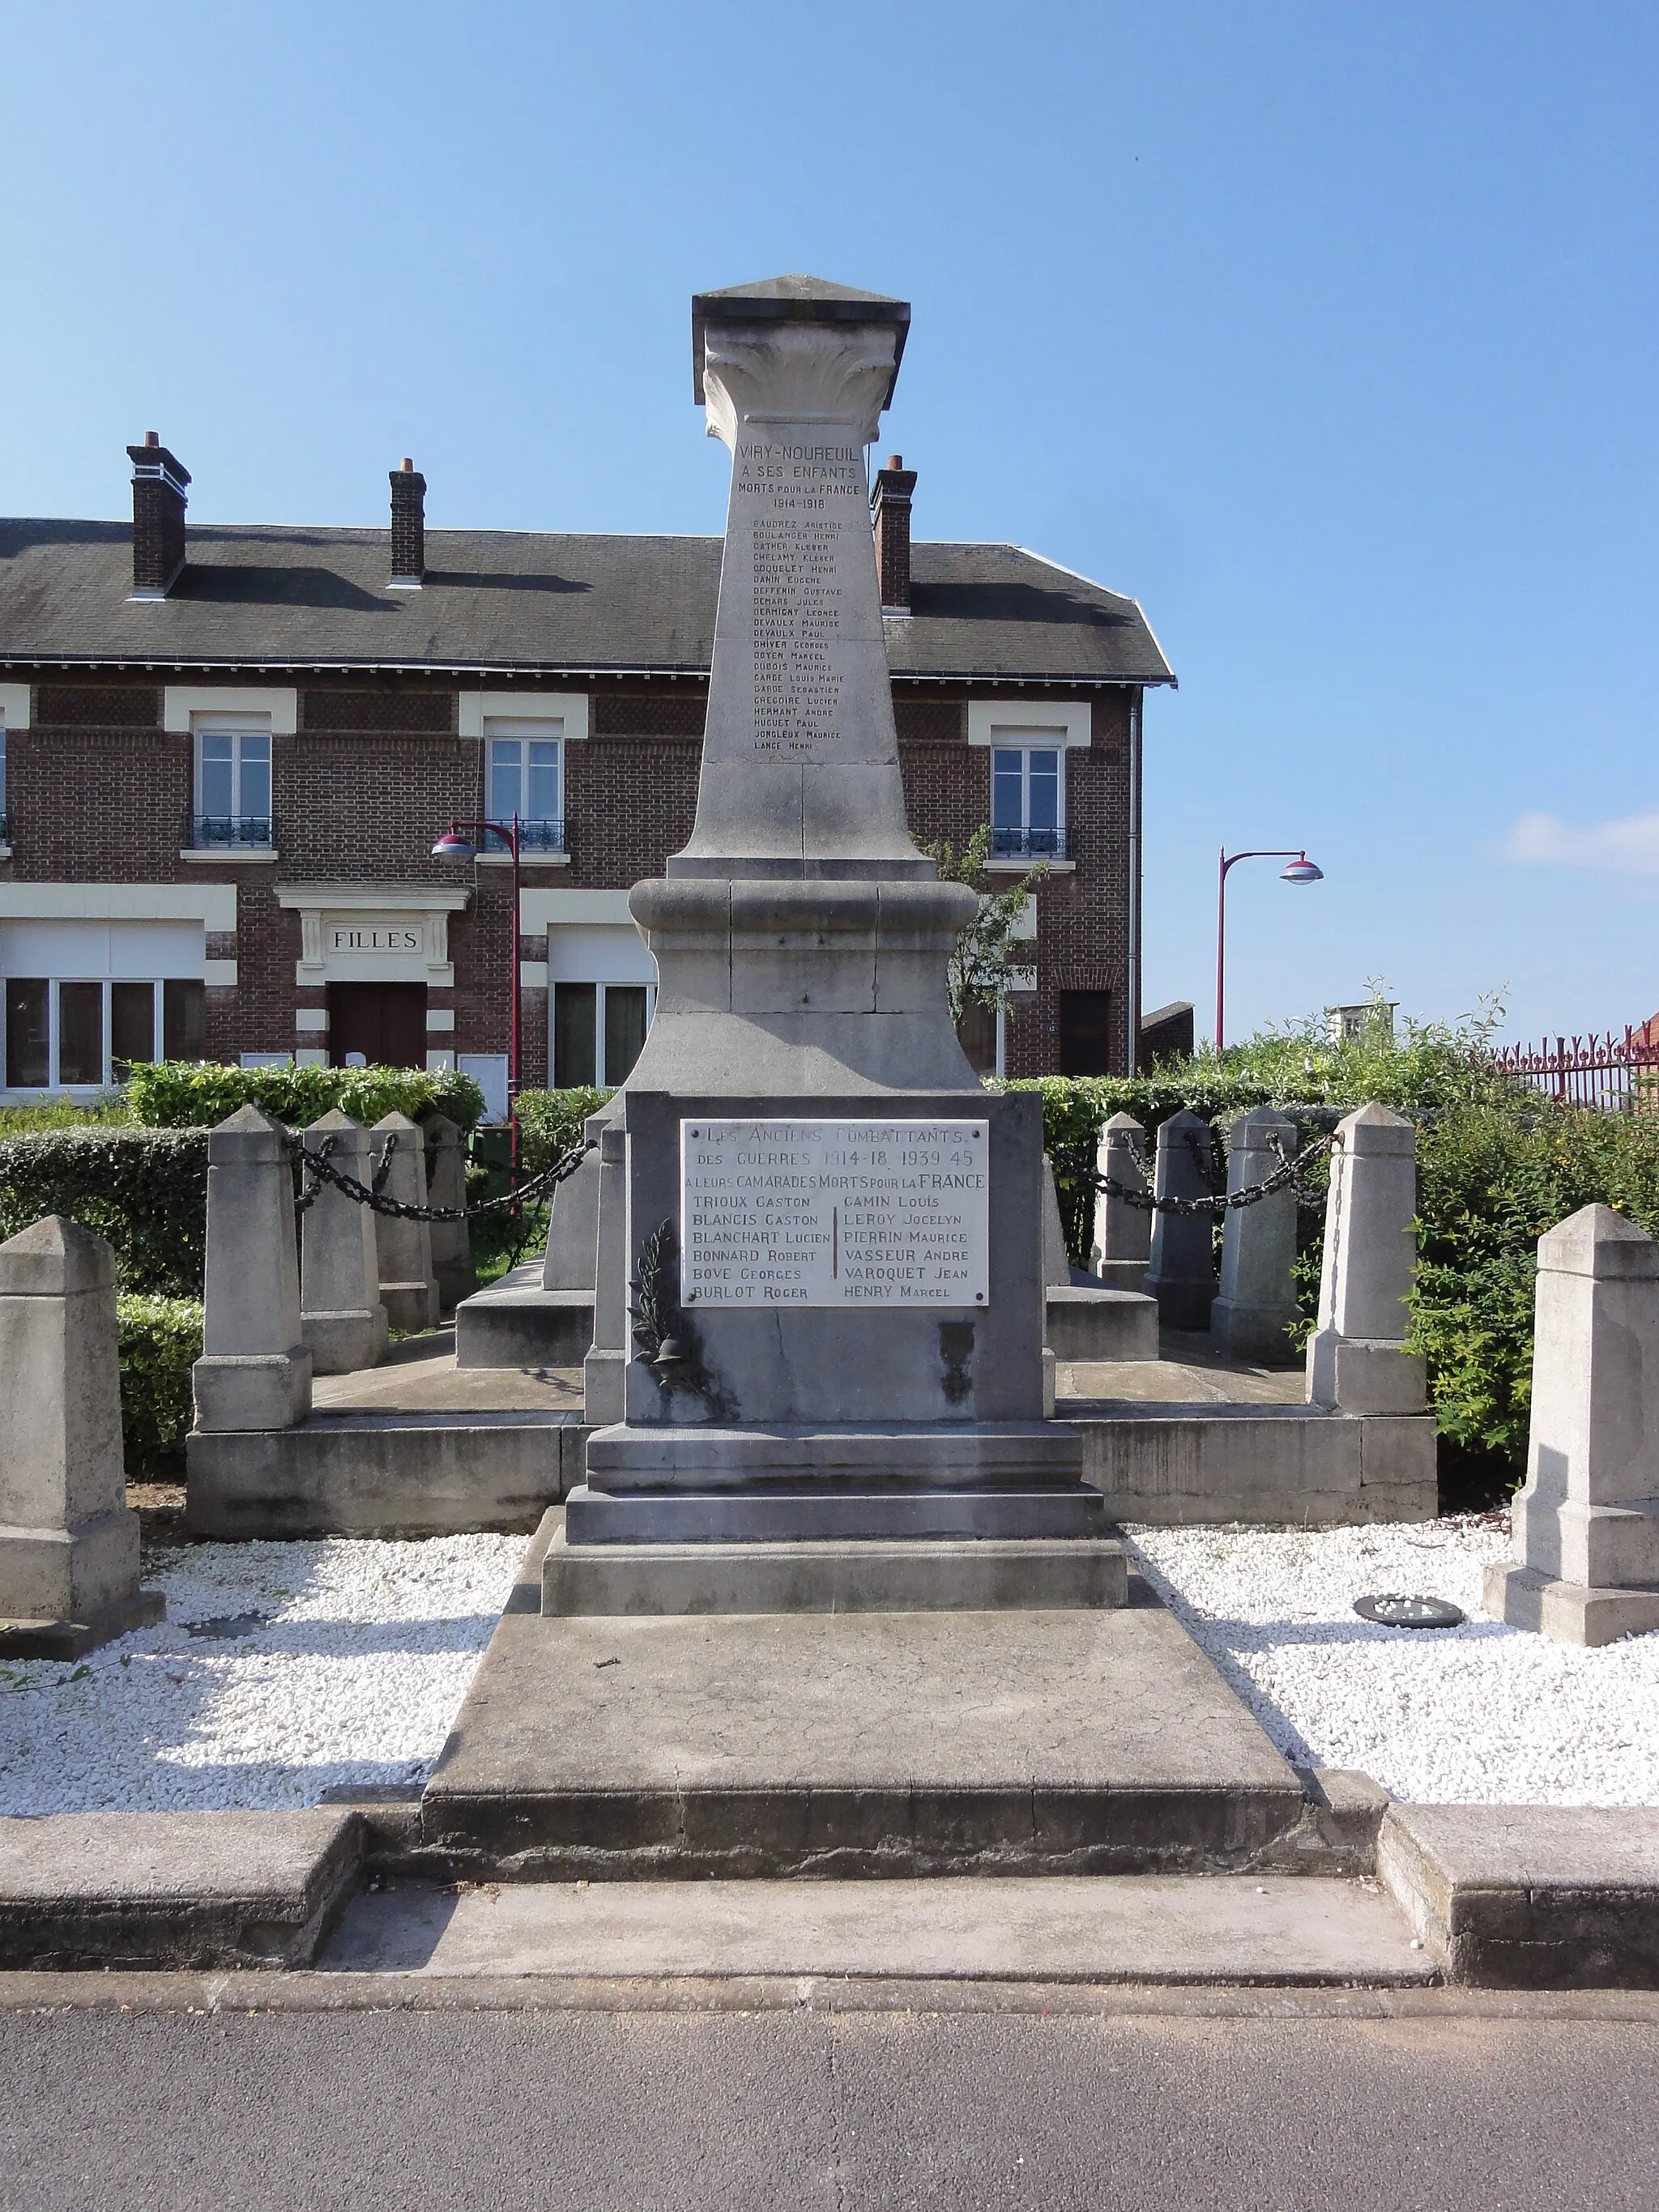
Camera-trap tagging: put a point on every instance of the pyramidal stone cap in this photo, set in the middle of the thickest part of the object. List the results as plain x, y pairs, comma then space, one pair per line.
1376, 1128
1597, 1242
52, 1258
795, 299
245, 1135
336, 1118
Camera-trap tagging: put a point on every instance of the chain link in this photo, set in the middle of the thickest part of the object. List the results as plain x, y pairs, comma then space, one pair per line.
1289, 1172
319, 1166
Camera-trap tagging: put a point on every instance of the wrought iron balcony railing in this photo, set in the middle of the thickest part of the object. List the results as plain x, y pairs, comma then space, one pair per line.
5, 827
208, 833
543, 835
1029, 845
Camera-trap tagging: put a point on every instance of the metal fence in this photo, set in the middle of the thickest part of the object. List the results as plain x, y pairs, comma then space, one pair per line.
1615, 1074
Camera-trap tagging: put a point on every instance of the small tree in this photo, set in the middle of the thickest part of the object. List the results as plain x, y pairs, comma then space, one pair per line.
989, 952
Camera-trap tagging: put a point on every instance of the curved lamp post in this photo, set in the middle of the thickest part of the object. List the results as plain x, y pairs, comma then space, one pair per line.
1301, 870
456, 845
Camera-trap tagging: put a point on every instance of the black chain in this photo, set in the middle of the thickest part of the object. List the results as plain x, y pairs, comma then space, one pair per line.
1288, 1172
318, 1164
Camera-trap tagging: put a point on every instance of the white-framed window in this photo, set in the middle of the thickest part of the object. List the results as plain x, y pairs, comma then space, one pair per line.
1028, 800
598, 1031
524, 775
5, 819
64, 1032
232, 782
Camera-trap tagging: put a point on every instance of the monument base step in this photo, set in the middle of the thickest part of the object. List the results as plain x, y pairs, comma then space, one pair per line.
422, 1473
1092, 1741
1568, 1612
909, 1576
73, 1640
514, 1322
917, 1455
829, 1512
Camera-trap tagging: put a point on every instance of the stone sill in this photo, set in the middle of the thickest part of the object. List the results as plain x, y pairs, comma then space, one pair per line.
5, 852
1005, 863
526, 860
204, 856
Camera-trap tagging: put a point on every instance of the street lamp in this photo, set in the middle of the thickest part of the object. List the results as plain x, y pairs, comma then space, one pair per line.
1301, 870
456, 845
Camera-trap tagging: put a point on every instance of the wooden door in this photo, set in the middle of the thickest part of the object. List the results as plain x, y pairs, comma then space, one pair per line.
384, 1021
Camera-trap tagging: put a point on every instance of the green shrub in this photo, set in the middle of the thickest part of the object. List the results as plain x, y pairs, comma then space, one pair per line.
195, 1094
145, 1190
550, 1123
160, 1339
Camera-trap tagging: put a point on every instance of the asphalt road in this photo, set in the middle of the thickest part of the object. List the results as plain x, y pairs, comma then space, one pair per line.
666, 2111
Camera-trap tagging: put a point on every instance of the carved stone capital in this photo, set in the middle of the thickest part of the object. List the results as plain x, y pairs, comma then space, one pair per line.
836, 373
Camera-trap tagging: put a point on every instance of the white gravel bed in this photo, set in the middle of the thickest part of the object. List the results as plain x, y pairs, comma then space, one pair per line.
1480, 1714
354, 1674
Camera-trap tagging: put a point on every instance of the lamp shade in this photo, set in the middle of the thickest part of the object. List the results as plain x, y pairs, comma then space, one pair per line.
1302, 871
453, 846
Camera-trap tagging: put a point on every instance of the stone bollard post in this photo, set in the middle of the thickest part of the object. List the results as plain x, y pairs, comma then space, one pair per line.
445, 1185
1257, 1305
1357, 1360
1181, 1275
69, 1544
571, 1262
1586, 1525
1123, 1233
409, 1288
1056, 1259
254, 1371
342, 1321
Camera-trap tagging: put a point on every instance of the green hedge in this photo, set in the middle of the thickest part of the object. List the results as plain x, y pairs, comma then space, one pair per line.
143, 1189
160, 1340
191, 1095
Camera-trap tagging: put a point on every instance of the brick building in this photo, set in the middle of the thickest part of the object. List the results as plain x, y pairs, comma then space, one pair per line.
226, 752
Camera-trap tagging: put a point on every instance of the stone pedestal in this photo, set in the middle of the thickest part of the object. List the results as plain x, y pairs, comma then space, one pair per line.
801, 1348
69, 1544
573, 1230
1257, 1308
342, 1321
1358, 1362
1123, 1233
446, 1186
409, 1283
1586, 1525
255, 1370
1181, 1273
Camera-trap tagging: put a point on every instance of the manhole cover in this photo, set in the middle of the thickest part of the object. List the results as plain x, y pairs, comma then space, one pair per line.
1394, 1611
227, 1627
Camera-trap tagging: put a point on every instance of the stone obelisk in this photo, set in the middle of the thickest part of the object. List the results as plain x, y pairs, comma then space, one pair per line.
817, 1353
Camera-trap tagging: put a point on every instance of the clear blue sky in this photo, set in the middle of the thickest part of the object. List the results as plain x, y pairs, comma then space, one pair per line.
1328, 333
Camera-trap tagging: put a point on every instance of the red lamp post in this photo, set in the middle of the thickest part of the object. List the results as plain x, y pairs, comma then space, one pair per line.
455, 845
1301, 870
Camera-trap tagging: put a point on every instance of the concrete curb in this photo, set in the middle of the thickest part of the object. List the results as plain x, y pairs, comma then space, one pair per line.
1529, 1897
174, 1889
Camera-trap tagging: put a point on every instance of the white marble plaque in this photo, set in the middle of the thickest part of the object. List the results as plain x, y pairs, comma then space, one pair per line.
835, 1213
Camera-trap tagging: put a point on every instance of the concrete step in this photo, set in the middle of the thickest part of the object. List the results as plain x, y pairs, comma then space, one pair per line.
1159, 1929
174, 1889
1530, 1896
852, 1744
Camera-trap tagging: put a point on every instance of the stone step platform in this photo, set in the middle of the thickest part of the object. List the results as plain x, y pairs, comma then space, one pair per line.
1284, 1930
1082, 1741
174, 1889
514, 1322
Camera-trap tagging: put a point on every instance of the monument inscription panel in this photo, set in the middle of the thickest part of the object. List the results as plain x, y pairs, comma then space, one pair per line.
835, 1213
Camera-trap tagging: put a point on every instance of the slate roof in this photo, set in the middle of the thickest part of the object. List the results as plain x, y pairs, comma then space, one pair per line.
500, 601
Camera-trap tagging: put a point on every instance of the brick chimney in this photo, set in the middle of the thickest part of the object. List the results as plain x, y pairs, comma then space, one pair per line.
408, 527
158, 518
890, 508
